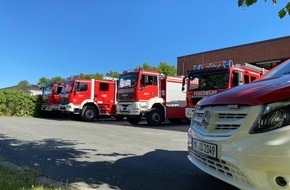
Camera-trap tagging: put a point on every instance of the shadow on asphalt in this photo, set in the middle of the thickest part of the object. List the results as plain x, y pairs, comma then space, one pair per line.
168, 126
159, 169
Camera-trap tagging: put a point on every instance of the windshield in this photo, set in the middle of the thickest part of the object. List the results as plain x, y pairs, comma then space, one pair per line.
67, 87
282, 69
47, 89
127, 81
209, 81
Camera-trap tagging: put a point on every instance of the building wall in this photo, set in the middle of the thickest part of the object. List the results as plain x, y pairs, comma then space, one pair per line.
274, 50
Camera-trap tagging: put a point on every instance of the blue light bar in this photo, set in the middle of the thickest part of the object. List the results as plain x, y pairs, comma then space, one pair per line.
197, 67
228, 63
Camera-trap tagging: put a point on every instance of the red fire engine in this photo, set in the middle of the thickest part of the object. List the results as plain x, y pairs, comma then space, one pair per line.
208, 79
150, 95
89, 98
51, 96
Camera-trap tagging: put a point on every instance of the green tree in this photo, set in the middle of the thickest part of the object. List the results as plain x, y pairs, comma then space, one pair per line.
146, 66
167, 69
98, 76
113, 74
42, 81
91, 76
163, 68
57, 79
285, 10
86, 76
23, 85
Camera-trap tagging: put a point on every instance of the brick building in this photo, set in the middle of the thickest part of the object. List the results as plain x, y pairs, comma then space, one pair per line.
265, 54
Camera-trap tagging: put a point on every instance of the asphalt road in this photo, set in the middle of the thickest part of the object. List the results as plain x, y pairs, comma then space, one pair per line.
105, 154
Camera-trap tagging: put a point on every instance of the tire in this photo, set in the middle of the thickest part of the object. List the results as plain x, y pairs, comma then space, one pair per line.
155, 117
89, 113
133, 120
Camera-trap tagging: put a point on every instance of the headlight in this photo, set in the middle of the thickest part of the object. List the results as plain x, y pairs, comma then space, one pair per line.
275, 116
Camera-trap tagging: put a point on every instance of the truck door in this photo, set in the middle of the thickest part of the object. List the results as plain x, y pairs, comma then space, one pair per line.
149, 87
105, 97
82, 91
56, 89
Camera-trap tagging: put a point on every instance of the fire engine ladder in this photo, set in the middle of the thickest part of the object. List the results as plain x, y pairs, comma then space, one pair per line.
254, 68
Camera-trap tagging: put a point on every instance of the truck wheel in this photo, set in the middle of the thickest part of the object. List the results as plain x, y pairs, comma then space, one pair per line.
89, 113
155, 117
133, 120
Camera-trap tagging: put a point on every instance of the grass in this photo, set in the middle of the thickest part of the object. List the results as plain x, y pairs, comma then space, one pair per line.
22, 179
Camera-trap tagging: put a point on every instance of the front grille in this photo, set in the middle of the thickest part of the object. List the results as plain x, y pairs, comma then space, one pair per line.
232, 116
125, 96
219, 120
64, 101
224, 168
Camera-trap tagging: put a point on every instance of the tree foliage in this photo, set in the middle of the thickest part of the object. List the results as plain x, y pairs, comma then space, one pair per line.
113, 74
167, 69
146, 66
43, 80
281, 13
23, 85
163, 68
15, 102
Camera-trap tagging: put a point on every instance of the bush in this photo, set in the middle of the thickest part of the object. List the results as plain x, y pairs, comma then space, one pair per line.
14, 102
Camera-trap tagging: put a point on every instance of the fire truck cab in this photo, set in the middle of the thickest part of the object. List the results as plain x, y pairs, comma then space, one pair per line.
89, 98
51, 96
208, 79
144, 94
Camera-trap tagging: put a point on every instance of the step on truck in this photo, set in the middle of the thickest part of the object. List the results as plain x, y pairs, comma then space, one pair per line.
51, 97
89, 99
210, 78
144, 94
242, 135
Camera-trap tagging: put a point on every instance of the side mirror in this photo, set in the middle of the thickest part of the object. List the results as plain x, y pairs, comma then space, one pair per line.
183, 84
146, 80
240, 78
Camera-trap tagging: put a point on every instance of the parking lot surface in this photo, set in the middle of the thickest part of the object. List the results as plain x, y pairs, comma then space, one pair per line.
105, 154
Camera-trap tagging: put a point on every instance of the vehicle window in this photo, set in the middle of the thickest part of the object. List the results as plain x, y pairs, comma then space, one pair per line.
192, 83
68, 85
104, 87
213, 81
127, 81
81, 86
235, 79
151, 80
253, 78
47, 90
58, 90
247, 79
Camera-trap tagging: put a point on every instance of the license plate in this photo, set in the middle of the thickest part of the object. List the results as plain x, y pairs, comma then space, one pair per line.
206, 148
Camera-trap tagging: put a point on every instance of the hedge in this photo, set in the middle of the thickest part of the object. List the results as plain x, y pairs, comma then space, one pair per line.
14, 102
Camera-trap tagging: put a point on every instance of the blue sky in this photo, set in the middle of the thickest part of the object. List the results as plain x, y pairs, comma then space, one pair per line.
49, 38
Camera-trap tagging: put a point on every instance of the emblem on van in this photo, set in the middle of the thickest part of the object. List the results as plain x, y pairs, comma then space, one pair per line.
206, 118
